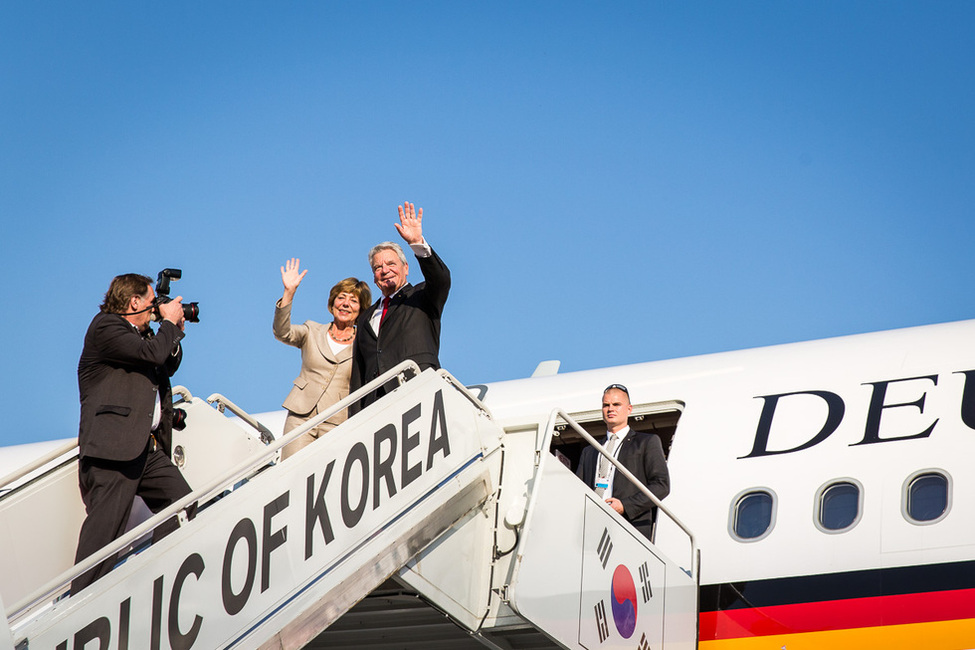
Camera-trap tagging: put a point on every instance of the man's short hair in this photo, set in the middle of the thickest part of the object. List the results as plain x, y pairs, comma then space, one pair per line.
619, 387
354, 286
387, 246
122, 289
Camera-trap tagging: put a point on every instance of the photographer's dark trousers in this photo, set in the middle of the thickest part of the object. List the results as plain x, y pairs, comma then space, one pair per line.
108, 488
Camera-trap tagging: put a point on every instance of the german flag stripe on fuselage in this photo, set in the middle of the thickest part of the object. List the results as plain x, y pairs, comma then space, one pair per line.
880, 607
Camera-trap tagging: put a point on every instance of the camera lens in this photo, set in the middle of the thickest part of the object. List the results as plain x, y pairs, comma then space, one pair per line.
179, 419
191, 312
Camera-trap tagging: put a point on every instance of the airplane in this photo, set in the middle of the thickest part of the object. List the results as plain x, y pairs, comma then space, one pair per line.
821, 497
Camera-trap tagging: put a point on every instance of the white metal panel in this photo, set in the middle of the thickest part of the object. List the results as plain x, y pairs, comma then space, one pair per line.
454, 571
458, 573
588, 579
39, 531
211, 443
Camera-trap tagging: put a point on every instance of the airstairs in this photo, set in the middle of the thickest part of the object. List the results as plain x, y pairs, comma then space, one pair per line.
423, 493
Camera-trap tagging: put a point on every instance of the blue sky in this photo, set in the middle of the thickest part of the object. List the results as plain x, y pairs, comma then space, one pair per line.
608, 182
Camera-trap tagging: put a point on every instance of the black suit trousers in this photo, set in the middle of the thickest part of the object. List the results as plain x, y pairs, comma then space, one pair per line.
108, 488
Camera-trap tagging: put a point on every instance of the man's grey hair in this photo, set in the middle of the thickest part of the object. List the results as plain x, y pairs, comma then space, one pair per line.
387, 246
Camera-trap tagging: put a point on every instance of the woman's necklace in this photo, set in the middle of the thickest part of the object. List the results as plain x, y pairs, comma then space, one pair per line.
337, 339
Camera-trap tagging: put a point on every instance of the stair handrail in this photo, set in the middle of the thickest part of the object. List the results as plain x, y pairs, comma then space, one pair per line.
230, 477
558, 412
465, 392
223, 403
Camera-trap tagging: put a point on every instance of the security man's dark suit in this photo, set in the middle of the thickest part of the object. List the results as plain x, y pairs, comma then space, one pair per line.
119, 374
411, 329
642, 454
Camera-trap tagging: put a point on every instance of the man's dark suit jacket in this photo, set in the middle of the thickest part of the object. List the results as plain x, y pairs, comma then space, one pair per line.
411, 329
119, 372
643, 455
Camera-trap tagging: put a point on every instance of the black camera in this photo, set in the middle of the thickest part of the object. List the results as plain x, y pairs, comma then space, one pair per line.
191, 310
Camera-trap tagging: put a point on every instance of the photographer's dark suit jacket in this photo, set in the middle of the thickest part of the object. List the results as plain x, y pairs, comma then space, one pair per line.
411, 329
119, 374
643, 455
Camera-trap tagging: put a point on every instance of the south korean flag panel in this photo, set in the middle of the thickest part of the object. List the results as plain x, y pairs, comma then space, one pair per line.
621, 603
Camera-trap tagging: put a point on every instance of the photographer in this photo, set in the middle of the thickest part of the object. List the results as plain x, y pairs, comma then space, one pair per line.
126, 427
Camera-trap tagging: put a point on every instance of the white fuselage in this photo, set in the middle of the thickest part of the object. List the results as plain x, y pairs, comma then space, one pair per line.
914, 379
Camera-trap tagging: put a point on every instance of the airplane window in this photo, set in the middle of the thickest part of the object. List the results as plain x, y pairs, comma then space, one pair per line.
927, 497
839, 506
753, 515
